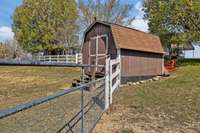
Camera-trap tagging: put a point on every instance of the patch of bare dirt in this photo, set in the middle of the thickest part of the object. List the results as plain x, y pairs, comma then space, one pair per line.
173, 75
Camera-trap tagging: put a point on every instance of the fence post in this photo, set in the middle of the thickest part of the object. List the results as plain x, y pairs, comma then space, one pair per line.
82, 74
49, 58
82, 110
81, 58
57, 58
76, 57
66, 59
107, 83
110, 84
119, 76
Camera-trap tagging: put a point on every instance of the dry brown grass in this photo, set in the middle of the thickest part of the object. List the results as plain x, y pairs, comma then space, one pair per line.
167, 106
26, 83
20, 84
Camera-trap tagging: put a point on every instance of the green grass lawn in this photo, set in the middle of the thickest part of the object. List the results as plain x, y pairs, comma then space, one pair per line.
169, 105
21, 84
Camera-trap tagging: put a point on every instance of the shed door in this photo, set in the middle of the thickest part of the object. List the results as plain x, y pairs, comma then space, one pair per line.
86, 55
92, 54
98, 52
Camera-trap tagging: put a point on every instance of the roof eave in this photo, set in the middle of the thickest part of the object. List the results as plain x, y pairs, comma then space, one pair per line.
94, 24
146, 51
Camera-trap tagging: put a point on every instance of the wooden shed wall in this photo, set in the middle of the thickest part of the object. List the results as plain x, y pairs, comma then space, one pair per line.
101, 29
98, 29
137, 65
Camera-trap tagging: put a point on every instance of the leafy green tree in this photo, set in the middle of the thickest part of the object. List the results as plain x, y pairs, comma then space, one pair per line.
175, 21
45, 25
104, 10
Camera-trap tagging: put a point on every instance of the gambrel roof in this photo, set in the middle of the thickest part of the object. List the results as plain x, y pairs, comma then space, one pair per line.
132, 39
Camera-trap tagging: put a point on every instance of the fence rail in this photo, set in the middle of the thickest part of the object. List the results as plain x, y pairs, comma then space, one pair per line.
75, 110
13, 62
114, 76
77, 58
73, 115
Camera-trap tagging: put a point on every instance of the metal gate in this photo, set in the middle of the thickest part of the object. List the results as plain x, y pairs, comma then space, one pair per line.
74, 110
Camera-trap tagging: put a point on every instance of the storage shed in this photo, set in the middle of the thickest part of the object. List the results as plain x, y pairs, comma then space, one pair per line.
140, 53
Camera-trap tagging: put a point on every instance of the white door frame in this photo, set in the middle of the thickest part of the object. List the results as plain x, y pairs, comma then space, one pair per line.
96, 55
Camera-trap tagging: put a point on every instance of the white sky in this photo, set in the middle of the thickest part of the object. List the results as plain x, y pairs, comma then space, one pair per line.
6, 33
139, 23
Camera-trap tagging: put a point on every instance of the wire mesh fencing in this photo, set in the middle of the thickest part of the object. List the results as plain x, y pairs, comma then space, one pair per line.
95, 102
76, 110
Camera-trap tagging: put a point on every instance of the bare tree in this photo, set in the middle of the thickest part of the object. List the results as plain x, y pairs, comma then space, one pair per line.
107, 10
11, 49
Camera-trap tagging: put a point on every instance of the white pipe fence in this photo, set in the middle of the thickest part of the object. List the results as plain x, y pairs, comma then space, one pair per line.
77, 58
114, 76
112, 79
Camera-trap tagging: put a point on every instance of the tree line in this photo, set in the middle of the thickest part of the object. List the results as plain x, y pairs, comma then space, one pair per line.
11, 49
54, 25
175, 21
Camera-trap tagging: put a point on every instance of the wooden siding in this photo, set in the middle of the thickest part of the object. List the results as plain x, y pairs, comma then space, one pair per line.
98, 30
134, 63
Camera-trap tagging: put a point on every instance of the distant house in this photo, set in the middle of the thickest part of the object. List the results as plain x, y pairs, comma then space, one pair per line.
192, 52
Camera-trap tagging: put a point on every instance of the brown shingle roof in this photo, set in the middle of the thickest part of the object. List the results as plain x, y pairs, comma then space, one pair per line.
132, 39
128, 38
